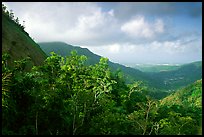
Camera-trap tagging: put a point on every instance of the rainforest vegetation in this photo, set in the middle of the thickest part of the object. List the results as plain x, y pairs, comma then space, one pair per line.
65, 95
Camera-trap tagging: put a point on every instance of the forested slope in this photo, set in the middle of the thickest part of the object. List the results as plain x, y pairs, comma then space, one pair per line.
175, 79
17, 43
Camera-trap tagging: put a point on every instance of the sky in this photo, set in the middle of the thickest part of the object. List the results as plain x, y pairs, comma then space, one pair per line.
128, 33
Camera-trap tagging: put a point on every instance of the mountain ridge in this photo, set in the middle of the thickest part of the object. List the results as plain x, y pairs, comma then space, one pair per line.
155, 80
92, 57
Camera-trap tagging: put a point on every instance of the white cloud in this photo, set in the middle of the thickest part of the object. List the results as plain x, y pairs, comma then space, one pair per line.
71, 22
139, 27
167, 47
89, 27
153, 52
115, 48
137, 38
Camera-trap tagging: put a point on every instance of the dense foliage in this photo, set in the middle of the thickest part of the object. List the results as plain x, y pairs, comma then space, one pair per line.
66, 97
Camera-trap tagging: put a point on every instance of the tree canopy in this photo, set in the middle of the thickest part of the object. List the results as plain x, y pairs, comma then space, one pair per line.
66, 97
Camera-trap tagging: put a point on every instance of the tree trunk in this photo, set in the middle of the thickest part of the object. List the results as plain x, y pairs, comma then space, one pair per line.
36, 123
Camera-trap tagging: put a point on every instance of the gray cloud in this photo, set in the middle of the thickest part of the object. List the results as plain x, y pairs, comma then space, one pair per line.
125, 10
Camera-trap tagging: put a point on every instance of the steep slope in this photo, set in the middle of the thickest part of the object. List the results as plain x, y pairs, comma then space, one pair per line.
18, 44
64, 49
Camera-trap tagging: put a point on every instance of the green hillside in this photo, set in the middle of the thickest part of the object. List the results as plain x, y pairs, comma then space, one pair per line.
64, 49
182, 109
189, 96
186, 74
18, 44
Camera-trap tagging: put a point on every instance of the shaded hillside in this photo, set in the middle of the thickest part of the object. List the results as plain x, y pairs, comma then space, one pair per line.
181, 77
17, 43
64, 49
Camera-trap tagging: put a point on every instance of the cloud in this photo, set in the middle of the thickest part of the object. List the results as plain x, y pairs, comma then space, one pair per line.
124, 32
159, 26
67, 21
178, 51
162, 9
114, 49
93, 26
139, 27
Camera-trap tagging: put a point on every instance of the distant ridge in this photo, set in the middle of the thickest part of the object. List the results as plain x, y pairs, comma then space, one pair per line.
64, 49
182, 76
